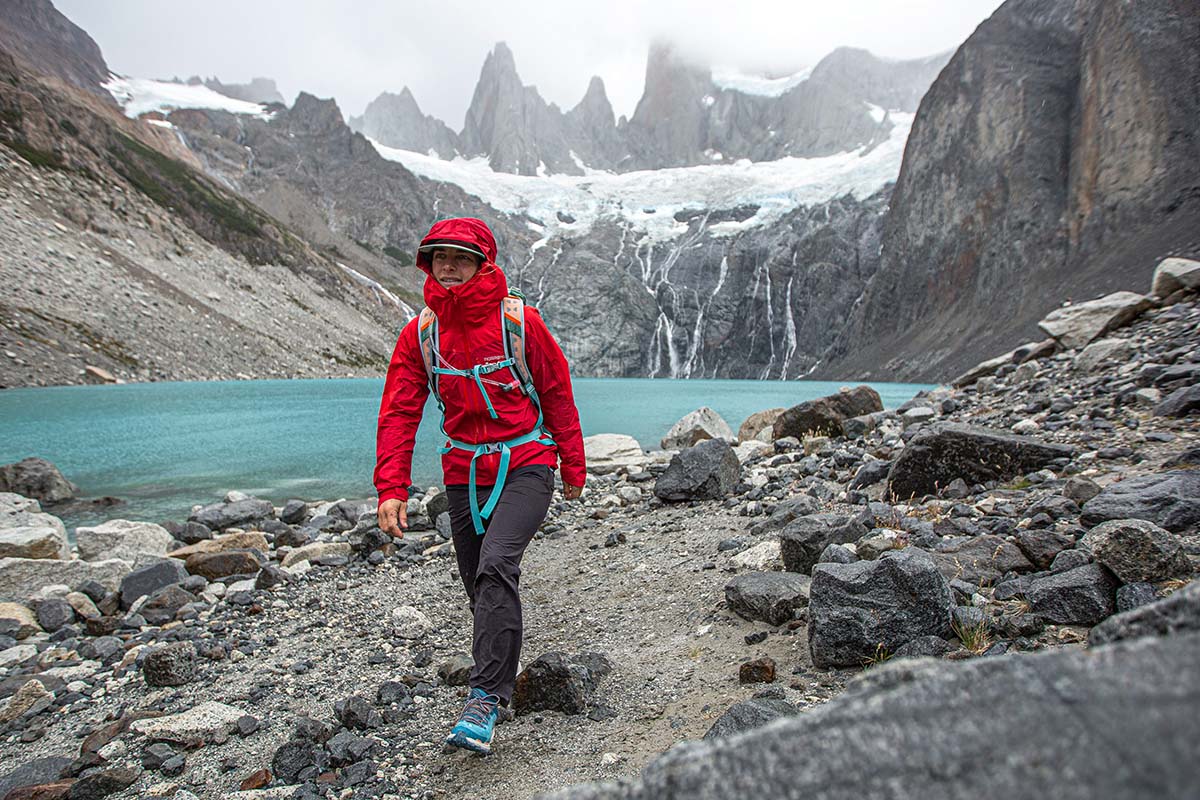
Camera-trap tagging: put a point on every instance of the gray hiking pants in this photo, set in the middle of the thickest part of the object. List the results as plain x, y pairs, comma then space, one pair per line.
490, 567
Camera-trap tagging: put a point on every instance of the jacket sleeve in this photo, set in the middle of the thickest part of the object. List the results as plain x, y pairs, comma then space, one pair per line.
552, 377
405, 391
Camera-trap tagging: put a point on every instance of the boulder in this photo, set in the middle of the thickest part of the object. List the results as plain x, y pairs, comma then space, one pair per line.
33, 540
239, 513
215, 566
28, 699
203, 723
34, 771
749, 714
859, 611
170, 665
53, 613
1083, 595
981, 559
1041, 546
802, 540
869, 474
825, 415
754, 424
696, 427
149, 579
1180, 403
981, 370
611, 452
248, 540
21, 578
162, 606
1136, 550
944, 452
758, 557
1076, 325
316, 550
916, 724
1170, 500
708, 471
36, 478
120, 538
409, 623
1173, 274
771, 597
25, 620
293, 512
560, 682
785, 512
1101, 351
1177, 613
752, 449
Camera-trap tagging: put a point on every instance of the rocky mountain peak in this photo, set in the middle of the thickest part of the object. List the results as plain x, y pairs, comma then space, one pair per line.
888, 83
396, 120
38, 34
312, 115
258, 90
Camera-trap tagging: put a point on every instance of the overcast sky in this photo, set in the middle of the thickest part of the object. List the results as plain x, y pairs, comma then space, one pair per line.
354, 49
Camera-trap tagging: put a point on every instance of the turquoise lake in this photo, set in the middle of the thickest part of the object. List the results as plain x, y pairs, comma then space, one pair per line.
162, 447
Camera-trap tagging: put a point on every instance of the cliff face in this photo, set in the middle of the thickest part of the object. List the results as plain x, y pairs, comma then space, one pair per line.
1056, 157
36, 33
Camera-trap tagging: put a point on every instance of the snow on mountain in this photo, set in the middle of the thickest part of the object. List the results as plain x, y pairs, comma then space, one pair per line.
648, 200
141, 95
736, 81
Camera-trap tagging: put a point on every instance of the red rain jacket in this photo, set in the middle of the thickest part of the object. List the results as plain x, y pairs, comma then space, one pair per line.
469, 332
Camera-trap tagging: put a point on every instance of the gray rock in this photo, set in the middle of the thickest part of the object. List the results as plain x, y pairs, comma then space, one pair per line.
701, 424
215, 566
1137, 550
905, 718
240, 513
802, 541
35, 771
1173, 274
53, 613
755, 423
98, 785
1080, 490
170, 665
924, 647
36, 478
31, 534
982, 559
1177, 613
120, 538
162, 606
826, 415
869, 474
785, 512
708, 471
772, 597
551, 683
1180, 402
1076, 325
942, 452
1135, 595
356, 713
837, 554
1070, 559
456, 671
150, 578
347, 748
857, 610
1041, 546
294, 759
1081, 596
1170, 500
749, 714
293, 512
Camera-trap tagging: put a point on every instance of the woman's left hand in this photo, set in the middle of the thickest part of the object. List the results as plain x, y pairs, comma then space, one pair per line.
572, 492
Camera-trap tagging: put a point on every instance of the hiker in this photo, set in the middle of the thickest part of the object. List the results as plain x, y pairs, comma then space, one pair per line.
509, 417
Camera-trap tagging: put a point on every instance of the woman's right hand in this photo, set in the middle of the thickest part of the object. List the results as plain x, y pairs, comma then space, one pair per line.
393, 517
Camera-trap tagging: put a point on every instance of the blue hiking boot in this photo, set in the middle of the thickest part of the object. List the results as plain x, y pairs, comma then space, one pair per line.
475, 725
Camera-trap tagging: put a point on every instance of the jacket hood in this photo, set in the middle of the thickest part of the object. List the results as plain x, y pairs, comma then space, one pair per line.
478, 298
468, 230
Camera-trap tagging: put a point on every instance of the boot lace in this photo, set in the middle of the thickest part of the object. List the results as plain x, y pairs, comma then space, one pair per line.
478, 709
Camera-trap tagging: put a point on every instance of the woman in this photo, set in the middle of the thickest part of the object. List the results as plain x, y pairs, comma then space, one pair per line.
509, 418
